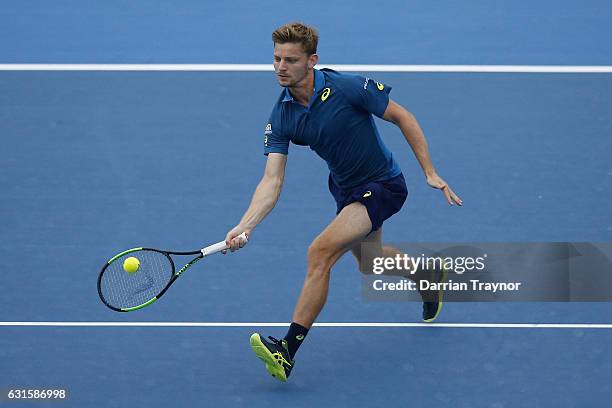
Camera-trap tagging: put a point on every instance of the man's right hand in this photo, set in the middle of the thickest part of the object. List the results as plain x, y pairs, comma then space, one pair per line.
232, 240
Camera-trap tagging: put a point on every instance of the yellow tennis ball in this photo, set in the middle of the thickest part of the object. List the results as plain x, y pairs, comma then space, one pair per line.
131, 264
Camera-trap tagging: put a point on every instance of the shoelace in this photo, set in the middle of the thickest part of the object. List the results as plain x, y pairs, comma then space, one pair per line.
275, 340
279, 343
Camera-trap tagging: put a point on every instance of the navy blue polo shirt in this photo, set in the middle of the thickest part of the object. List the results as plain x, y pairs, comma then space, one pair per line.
338, 125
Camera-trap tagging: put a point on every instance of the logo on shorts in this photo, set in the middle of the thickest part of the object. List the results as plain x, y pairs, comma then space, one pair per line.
380, 86
367, 194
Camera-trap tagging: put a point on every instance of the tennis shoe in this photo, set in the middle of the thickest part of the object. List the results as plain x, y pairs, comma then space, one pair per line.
275, 354
432, 305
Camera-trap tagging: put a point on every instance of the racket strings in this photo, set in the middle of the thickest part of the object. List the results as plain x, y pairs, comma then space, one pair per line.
123, 290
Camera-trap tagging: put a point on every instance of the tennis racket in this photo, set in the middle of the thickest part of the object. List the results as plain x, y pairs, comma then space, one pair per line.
125, 292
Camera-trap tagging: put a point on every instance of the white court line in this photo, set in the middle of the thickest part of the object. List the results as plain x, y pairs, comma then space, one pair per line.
547, 69
354, 324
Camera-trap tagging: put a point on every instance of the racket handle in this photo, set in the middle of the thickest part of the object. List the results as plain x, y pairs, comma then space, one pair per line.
220, 246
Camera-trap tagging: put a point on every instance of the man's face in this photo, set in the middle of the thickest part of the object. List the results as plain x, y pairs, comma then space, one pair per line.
291, 64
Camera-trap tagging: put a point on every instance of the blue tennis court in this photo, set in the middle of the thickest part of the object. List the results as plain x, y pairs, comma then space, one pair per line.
98, 161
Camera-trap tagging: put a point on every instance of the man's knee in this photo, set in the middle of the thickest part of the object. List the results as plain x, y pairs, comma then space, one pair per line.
356, 251
320, 257
389, 251
365, 255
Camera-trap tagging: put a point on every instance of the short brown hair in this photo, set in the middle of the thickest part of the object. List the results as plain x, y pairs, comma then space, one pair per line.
298, 33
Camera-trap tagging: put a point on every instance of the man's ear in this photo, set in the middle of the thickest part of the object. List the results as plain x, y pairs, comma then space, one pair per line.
312, 61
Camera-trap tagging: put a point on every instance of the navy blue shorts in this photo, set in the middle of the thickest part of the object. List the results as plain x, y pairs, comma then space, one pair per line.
382, 199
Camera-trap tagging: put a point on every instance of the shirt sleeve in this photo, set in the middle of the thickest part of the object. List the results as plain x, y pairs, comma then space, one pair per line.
274, 139
367, 94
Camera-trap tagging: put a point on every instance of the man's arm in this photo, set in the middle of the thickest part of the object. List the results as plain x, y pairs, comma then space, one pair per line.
409, 126
264, 199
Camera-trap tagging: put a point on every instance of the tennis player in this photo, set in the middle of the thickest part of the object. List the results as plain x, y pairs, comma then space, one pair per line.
332, 113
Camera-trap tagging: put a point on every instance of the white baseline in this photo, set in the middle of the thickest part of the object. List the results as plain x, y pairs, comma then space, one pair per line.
544, 69
348, 324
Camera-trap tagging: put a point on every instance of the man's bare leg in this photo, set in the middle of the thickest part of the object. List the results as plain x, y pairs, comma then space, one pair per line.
374, 248
349, 227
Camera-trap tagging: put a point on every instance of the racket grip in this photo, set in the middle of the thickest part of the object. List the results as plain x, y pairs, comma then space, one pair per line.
220, 246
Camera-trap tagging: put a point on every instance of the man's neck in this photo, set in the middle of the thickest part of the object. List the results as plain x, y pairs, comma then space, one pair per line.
304, 90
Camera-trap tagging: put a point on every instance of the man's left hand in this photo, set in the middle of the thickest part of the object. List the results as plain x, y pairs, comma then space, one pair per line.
436, 181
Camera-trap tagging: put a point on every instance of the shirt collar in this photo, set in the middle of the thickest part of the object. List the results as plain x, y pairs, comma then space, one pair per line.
319, 80
319, 83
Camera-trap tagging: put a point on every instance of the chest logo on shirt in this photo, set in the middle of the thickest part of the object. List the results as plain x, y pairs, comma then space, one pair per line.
325, 94
380, 86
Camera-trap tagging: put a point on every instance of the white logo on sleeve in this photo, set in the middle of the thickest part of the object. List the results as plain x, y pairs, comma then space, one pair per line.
266, 133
